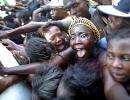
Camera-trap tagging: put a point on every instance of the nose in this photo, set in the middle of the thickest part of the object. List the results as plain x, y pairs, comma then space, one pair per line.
117, 63
58, 40
77, 40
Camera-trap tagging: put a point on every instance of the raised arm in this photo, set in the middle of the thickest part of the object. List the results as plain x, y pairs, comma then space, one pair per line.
32, 26
41, 9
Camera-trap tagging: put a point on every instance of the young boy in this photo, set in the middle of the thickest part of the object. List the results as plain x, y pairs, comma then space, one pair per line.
117, 72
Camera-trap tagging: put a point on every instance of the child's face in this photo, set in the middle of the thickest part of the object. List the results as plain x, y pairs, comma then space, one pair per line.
118, 59
82, 40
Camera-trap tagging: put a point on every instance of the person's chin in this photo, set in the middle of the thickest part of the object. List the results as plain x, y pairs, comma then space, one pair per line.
120, 78
60, 48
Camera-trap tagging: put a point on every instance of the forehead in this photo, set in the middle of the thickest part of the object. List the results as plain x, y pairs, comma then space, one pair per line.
54, 29
57, 8
119, 45
80, 28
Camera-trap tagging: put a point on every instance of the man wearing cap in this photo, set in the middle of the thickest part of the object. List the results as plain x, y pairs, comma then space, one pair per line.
118, 16
119, 13
56, 10
78, 8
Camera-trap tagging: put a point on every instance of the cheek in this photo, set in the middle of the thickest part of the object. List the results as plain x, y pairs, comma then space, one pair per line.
56, 13
62, 38
72, 43
108, 63
127, 69
87, 44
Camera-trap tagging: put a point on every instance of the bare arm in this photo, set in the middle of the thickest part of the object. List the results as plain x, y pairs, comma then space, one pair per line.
35, 12
114, 90
117, 92
64, 57
8, 81
34, 67
32, 26
21, 70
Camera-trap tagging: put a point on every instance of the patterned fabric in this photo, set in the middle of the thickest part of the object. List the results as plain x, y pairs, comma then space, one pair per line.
87, 23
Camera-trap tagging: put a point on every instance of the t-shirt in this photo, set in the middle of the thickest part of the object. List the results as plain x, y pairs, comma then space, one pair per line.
46, 82
103, 43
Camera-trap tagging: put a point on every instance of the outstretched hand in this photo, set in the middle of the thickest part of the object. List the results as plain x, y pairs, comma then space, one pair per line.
3, 34
20, 57
10, 45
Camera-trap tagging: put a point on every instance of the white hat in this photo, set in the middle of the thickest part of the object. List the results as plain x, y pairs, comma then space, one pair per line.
120, 8
56, 4
8, 3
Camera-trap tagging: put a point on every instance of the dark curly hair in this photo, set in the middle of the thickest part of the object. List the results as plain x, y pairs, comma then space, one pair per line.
83, 81
38, 49
122, 33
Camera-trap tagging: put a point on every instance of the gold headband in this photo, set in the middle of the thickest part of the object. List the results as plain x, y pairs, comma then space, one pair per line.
87, 23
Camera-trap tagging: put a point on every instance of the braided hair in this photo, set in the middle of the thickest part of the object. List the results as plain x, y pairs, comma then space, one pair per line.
38, 49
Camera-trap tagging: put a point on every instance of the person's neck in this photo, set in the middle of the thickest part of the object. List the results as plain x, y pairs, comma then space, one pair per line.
127, 86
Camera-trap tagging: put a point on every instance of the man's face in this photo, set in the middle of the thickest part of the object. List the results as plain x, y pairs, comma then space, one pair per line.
114, 23
118, 59
56, 37
57, 13
79, 9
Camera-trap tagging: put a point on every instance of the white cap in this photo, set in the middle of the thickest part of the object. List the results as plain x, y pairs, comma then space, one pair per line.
8, 3
56, 4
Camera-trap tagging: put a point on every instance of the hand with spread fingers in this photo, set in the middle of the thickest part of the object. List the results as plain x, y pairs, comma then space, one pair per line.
10, 45
20, 57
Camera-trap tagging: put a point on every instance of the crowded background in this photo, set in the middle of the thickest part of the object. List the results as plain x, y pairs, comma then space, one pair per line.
64, 49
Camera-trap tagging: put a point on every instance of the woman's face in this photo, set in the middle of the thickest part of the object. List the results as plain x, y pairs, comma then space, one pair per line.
82, 40
56, 37
118, 59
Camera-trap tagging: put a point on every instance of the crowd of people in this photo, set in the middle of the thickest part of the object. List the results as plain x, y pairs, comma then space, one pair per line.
67, 49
